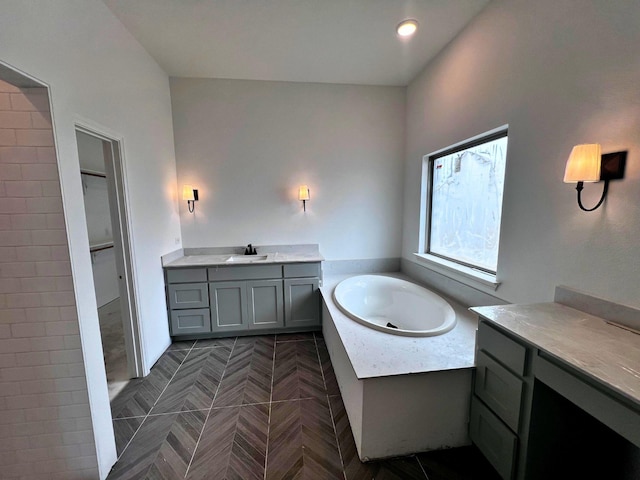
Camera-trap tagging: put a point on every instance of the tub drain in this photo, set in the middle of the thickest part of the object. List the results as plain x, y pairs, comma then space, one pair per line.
391, 325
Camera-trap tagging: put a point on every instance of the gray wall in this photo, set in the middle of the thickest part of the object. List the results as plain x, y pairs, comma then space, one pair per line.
247, 145
560, 73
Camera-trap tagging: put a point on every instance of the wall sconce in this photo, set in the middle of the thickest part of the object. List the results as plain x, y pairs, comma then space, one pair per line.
191, 196
303, 194
587, 164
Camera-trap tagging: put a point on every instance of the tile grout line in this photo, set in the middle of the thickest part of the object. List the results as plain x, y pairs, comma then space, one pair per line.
195, 449
333, 423
154, 404
273, 370
421, 467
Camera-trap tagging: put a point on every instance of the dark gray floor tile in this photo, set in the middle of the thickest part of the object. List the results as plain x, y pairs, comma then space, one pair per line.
302, 443
205, 386
124, 430
233, 444
173, 397
247, 378
294, 337
181, 345
215, 342
354, 469
137, 458
406, 468
139, 396
330, 380
249, 340
297, 372
179, 446
464, 463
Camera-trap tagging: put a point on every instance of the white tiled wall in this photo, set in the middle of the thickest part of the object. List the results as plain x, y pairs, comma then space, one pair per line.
45, 425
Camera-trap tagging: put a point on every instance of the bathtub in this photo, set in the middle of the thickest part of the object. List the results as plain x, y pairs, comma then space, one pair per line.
394, 306
402, 394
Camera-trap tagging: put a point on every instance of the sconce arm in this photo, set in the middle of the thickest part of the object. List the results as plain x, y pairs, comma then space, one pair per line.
579, 188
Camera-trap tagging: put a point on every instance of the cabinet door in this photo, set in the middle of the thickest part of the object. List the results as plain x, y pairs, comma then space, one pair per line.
188, 295
302, 302
228, 302
187, 322
265, 304
493, 438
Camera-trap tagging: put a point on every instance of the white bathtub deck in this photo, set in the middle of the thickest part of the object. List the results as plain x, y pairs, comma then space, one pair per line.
377, 354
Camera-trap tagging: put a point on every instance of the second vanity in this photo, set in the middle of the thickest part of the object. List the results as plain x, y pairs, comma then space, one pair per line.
557, 390
221, 292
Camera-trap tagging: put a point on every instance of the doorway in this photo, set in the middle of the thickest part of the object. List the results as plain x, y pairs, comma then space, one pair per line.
107, 228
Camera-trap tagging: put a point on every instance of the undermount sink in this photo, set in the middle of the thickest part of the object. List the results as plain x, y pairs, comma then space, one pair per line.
246, 258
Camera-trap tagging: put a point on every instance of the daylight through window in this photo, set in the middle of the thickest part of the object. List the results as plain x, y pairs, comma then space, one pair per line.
466, 187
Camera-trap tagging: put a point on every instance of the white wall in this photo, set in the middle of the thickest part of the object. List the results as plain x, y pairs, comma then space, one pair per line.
560, 73
99, 74
247, 145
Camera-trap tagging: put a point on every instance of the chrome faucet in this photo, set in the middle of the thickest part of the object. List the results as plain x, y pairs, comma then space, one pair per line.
250, 250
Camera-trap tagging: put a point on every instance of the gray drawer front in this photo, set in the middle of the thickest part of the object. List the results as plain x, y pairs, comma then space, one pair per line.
500, 389
186, 275
245, 272
293, 270
188, 295
493, 438
186, 322
501, 347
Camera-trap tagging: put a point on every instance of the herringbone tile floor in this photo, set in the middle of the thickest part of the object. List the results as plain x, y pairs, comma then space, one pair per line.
265, 407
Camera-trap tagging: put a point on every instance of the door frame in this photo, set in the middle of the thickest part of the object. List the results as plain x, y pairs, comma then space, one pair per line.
118, 203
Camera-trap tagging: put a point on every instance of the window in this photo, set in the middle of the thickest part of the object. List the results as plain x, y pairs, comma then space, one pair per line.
464, 202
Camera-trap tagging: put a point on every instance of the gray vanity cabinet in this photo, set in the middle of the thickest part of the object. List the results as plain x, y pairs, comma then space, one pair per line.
264, 304
190, 321
302, 302
241, 299
501, 381
188, 301
228, 306
242, 305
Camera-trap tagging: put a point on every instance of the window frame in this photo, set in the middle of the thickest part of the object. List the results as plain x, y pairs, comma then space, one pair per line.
481, 274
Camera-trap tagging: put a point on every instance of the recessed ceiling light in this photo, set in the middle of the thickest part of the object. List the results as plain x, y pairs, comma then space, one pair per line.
406, 28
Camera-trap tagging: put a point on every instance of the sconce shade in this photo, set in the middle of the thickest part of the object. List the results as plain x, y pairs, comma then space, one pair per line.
303, 192
187, 193
584, 164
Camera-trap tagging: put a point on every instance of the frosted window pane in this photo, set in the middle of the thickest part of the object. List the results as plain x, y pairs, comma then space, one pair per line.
466, 204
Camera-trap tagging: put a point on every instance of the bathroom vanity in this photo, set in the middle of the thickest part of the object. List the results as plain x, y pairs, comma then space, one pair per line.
556, 393
213, 294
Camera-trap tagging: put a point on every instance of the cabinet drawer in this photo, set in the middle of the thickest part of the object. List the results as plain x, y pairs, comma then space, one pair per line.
245, 272
493, 438
293, 270
186, 275
509, 352
188, 295
500, 389
186, 322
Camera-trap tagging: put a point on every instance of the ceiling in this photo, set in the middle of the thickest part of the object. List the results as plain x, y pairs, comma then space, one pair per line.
328, 41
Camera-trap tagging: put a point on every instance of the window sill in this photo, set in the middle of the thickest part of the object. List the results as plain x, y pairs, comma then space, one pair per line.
468, 276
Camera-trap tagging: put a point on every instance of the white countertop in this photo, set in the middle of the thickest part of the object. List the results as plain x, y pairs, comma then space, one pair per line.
222, 259
377, 354
606, 353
